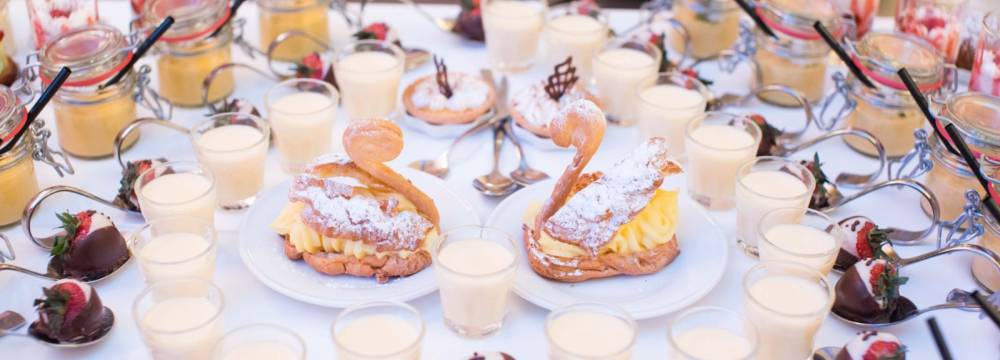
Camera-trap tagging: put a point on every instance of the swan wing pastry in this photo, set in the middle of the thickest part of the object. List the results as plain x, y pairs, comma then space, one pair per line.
353, 215
599, 225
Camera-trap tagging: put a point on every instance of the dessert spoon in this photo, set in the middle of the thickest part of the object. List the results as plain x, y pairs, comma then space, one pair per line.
524, 175
10, 321
448, 25
495, 183
53, 272
901, 236
957, 299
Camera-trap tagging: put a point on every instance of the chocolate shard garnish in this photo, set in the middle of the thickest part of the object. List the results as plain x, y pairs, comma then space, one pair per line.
562, 80
442, 77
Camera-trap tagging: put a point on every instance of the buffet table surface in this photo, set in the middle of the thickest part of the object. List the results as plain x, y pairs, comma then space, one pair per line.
249, 301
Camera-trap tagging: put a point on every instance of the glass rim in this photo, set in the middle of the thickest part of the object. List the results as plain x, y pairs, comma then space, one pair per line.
561, 10
697, 122
834, 226
210, 123
148, 291
544, 8
746, 169
671, 334
797, 267
217, 349
443, 236
135, 237
647, 48
350, 48
699, 87
201, 170
270, 98
608, 309
374, 304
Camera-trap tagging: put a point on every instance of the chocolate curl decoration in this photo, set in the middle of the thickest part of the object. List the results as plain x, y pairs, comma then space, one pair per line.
562, 80
442, 77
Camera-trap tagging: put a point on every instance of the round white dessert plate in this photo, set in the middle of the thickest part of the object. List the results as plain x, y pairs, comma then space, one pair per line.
439, 131
691, 276
262, 252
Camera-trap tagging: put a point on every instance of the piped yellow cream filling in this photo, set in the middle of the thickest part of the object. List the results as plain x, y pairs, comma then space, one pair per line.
307, 240
655, 225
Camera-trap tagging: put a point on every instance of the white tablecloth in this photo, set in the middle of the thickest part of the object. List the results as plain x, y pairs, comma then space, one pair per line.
249, 301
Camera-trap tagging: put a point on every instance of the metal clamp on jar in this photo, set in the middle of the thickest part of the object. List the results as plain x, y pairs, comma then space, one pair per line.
971, 225
886, 110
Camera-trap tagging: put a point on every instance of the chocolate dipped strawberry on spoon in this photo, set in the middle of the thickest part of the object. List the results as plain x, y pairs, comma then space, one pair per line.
864, 240
71, 314
90, 248
868, 293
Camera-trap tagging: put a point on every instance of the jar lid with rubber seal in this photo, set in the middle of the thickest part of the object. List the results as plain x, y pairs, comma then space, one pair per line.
95, 54
881, 54
977, 117
795, 18
194, 20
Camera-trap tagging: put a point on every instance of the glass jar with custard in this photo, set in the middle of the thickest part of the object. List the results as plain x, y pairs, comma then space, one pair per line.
193, 47
985, 272
711, 26
977, 117
307, 16
887, 110
797, 57
89, 115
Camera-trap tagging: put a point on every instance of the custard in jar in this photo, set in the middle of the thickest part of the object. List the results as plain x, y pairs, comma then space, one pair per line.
711, 26
948, 179
192, 48
88, 114
797, 57
18, 183
307, 16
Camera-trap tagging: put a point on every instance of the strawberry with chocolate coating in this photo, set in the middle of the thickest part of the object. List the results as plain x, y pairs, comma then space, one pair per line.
869, 293
127, 197
318, 67
864, 239
469, 23
68, 311
873, 345
824, 188
90, 248
769, 135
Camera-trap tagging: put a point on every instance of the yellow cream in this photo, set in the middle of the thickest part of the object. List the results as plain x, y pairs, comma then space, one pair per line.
653, 226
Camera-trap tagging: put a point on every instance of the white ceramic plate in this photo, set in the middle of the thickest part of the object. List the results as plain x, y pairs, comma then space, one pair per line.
262, 252
694, 273
438, 131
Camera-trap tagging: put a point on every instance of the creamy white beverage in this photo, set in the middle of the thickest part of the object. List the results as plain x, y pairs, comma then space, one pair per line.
715, 154
303, 126
665, 111
711, 343
266, 350
188, 194
378, 336
177, 255
236, 155
369, 81
759, 192
181, 328
579, 36
801, 244
474, 279
787, 311
617, 74
589, 334
512, 29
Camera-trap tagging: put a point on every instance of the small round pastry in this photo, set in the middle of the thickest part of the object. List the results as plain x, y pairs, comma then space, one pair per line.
91, 247
864, 240
873, 345
69, 311
533, 108
467, 98
869, 293
495, 355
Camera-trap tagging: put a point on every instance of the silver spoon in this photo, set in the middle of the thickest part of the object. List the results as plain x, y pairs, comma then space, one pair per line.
54, 271
448, 25
957, 299
524, 175
495, 183
439, 165
900, 236
10, 321
826, 353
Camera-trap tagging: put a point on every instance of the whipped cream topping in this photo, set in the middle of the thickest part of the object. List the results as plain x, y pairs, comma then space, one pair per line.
859, 345
864, 269
83, 286
468, 92
593, 215
537, 108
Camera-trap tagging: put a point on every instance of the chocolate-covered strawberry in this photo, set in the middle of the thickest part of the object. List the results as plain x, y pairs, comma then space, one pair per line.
864, 239
127, 197
869, 293
318, 67
90, 248
496, 355
469, 23
824, 189
873, 345
68, 311
769, 135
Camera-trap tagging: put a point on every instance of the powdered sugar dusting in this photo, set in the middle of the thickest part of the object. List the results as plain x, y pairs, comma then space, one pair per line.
535, 105
593, 215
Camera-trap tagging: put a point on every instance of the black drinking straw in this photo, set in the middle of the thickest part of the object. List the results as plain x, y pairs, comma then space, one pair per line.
141, 50
232, 14
970, 160
756, 18
842, 54
38, 107
988, 308
921, 101
939, 339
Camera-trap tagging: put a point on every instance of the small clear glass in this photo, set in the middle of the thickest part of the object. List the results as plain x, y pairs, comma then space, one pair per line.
667, 103
261, 341
233, 146
302, 113
705, 333
717, 144
568, 33
590, 331
764, 184
369, 72
986, 66
512, 29
787, 303
180, 319
380, 330
800, 235
176, 188
618, 69
175, 247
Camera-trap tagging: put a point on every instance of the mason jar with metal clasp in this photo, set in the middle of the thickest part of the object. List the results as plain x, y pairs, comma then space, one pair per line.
887, 110
18, 180
711, 26
200, 40
307, 16
797, 57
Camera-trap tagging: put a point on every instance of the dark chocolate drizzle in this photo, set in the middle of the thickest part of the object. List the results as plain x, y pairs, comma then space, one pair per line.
562, 80
442, 77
